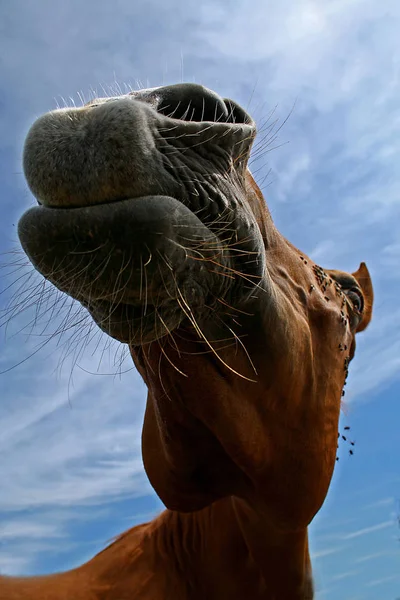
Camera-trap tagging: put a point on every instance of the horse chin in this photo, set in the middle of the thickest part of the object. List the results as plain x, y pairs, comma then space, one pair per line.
138, 324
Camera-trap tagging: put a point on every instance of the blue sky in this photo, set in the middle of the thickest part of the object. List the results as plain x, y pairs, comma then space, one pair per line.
70, 464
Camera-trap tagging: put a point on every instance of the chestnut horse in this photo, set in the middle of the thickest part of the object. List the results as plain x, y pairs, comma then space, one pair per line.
149, 217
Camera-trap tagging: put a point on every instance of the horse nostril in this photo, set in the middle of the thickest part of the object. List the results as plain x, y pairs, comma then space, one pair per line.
191, 102
187, 102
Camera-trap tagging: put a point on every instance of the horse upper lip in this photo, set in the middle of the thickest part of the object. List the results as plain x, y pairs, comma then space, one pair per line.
128, 147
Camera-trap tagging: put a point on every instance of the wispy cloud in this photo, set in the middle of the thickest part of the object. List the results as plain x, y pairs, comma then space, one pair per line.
65, 450
344, 575
26, 529
376, 582
373, 556
326, 552
94, 446
379, 504
12, 564
367, 530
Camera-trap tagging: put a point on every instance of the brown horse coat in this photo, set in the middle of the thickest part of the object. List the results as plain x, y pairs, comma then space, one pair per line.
151, 219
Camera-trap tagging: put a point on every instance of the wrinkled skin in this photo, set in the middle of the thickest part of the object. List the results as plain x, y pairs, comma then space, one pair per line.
149, 216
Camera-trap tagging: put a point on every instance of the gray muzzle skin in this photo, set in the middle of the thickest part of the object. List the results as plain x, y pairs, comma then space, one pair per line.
142, 212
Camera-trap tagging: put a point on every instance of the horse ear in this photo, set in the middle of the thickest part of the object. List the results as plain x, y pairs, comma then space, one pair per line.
364, 280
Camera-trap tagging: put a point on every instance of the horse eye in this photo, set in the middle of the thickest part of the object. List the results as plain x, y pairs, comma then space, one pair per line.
356, 298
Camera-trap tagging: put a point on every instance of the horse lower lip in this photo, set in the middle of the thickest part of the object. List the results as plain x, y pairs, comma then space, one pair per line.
154, 215
115, 243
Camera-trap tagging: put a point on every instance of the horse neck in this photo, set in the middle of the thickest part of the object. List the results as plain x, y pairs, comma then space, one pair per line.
225, 550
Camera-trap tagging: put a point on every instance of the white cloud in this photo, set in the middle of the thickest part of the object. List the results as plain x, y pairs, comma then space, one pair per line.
381, 580
77, 450
326, 552
367, 530
68, 444
344, 575
26, 529
12, 564
306, 44
380, 503
373, 556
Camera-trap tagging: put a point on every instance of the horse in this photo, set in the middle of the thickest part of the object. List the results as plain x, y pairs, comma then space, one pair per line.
148, 216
